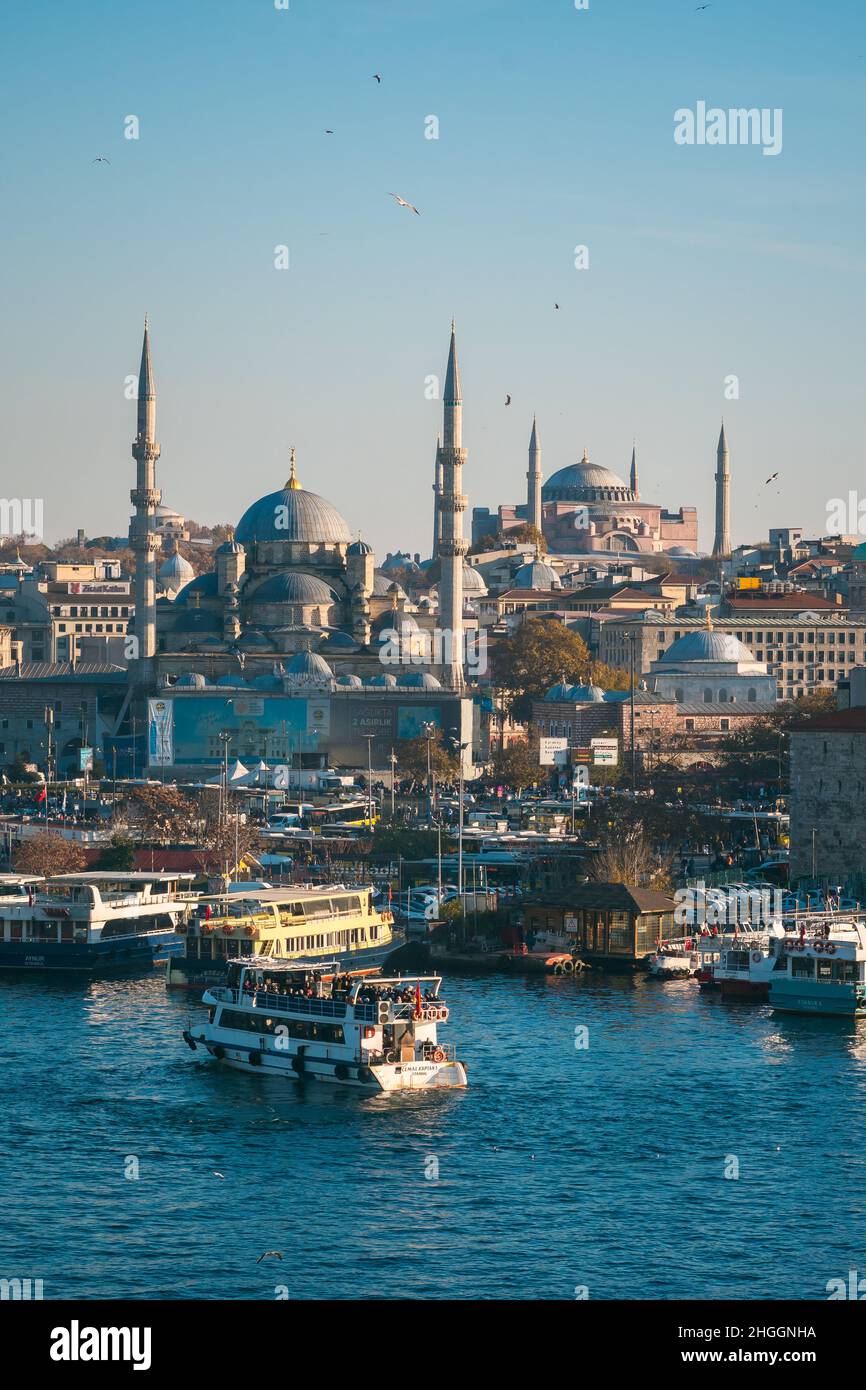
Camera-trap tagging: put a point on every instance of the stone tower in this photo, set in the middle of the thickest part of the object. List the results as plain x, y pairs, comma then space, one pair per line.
722, 542
533, 478
452, 505
632, 482
145, 497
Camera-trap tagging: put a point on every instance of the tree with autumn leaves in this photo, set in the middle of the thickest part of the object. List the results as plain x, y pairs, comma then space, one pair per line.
538, 654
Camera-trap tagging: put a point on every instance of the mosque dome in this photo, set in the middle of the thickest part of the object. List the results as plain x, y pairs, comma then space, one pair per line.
192, 680
385, 681
395, 620
292, 587
706, 645
349, 682
302, 516
229, 547
683, 551
537, 575
203, 584
588, 694
308, 668
383, 586
175, 570
585, 482
419, 680
561, 691
235, 682
359, 547
339, 642
473, 582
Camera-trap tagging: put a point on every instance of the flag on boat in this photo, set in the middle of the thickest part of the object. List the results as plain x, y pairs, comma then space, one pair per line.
43, 795
417, 999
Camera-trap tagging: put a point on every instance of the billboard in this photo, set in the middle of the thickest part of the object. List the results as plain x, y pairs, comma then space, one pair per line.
159, 733
552, 751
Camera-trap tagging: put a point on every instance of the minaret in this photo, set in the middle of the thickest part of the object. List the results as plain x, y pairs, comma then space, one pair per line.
452, 505
722, 542
437, 497
145, 497
533, 478
632, 482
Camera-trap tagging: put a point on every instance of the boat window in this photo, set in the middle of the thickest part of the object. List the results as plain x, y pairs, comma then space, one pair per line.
802, 967
825, 971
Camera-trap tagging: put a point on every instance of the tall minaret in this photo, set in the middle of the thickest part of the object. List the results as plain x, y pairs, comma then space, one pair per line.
632, 482
437, 497
452, 505
145, 497
533, 478
722, 542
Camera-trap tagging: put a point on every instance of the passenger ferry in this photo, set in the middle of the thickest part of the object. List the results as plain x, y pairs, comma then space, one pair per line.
825, 961
674, 961
329, 922
748, 961
94, 923
306, 1021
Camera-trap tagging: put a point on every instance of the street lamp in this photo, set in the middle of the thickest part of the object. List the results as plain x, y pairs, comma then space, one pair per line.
631, 638
393, 761
460, 748
429, 731
369, 738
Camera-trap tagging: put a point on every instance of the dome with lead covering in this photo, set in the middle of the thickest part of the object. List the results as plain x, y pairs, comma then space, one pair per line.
706, 645
537, 575
292, 587
293, 514
585, 482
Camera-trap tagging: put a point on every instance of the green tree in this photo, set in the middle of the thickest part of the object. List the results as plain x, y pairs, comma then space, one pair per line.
516, 765
411, 754
119, 853
532, 658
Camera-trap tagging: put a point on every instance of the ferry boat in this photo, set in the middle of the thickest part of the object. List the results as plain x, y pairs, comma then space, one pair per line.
94, 923
306, 1021
329, 922
748, 961
672, 962
825, 970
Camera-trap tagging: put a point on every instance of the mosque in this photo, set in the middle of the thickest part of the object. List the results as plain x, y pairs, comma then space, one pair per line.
294, 634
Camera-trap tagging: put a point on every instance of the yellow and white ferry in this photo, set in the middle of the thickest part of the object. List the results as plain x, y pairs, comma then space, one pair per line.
332, 922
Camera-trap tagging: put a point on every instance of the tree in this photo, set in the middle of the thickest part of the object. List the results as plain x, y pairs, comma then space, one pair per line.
49, 854
411, 754
224, 844
524, 534
627, 856
516, 766
534, 657
395, 843
118, 854
160, 815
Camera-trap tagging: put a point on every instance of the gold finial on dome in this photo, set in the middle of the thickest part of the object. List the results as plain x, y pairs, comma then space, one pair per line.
585, 458
709, 622
293, 485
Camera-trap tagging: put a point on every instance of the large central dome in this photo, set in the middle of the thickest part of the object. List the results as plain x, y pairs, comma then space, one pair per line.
585, 482
293, 514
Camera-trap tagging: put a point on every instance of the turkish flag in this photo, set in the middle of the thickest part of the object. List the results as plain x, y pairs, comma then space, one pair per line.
43, 796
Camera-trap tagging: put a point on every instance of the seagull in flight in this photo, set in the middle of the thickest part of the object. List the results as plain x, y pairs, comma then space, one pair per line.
100, 159
771, 477
329, 132
277, 1255
404, 204
508, 400
702, 7
556, 306
376, 77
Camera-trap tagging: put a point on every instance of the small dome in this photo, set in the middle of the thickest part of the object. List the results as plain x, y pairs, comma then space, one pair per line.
473, 582
229, 547
192, 680
349, 682
683, 551
308, 668
252, 638
176, 570
204, 584
292, 587
230, 681
384, 586
359, 547
537, 575
394, 620
592, 694
338, 642
386, 682
419, 680
266, 683
560, 691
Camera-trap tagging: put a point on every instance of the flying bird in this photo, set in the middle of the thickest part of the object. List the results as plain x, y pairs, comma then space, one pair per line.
277, 1255
771, 477
702, 7
508, 400
556, 306
100, 159
329, 132
376, 77
404, 204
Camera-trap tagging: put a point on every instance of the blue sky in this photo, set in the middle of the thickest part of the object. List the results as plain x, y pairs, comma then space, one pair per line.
555, 129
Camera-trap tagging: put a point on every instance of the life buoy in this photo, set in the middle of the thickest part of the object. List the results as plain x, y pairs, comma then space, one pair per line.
818, 943
557, 969
438, 1055
369, 1032
418, 1013
250, 931
756, 956
830, 947
568, 967
443, 1015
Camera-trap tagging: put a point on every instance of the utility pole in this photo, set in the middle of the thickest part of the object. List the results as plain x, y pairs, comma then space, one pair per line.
632, 637
393, 762
369, 738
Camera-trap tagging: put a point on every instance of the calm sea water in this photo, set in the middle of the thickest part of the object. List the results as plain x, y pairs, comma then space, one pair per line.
558, 1167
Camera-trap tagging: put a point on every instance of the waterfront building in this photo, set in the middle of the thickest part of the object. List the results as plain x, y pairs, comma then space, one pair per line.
608, 923
828, 784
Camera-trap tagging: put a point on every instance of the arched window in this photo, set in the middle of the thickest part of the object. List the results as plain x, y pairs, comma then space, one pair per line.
753, 694
678, 694
723, 696
708, 696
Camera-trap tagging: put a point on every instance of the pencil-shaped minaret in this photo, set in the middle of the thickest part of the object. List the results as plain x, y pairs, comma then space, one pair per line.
722, 542
533, 479
452, 505
145, 497
437, 497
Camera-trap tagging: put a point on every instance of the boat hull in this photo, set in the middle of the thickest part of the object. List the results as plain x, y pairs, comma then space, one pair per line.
115, 956
744, 989
387, 1077
184, 972
835, 1000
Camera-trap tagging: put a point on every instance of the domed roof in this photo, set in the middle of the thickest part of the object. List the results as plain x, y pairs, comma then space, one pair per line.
236, 682
308, 667
592, 694
379, 681
229, 547
193, 680
561, 691
419, 680
252, 638
578, 482
535, 574
383, 586
359, 547
683, 551
350, 682
292, 587
473, 581
266, 682
395, 620
204, 584
340, 642
293, 514
176, 569
706, 645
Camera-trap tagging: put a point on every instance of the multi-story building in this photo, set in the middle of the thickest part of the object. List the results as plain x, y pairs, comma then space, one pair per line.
828, 786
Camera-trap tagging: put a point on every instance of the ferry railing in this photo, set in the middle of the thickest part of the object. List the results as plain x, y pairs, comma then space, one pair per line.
428, 1051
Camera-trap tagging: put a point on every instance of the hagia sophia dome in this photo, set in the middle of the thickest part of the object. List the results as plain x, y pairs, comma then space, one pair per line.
586, 482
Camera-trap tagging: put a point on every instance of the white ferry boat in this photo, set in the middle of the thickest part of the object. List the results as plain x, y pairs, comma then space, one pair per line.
825, 970
329, 922
672, 962
306, 1021
94, 923
748, 960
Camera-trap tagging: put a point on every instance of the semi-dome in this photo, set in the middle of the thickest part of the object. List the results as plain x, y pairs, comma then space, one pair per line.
293, 514
383, 585
536, 574
340, 642
706, 645
585, 482
292, 587
205, 585
473, 581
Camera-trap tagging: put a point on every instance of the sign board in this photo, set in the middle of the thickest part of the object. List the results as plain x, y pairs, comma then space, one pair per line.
570, 924
160, 733
548, 749
747, 583
85, 759
605, 752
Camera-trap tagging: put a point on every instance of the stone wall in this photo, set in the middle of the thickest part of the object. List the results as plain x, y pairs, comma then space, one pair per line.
828, 795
